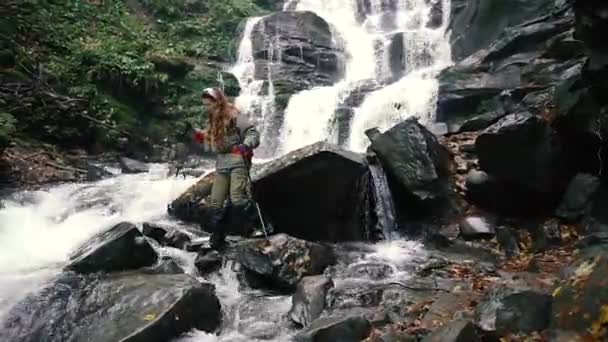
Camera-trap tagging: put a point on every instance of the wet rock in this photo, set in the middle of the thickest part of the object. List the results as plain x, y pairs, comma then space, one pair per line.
348, 296
467, 94
121, 247
87, 308
129, 165
208, 262
191, 206
304, 45
522, 149
309, 300
177, 239
282, 261
436, 19
370, 270
414, 159
314, 193
456, 331
579, 117
166, 236
474, 227
469, 18
397, 55
578, 197
154, 231
166, 266
335, 329
524, 312
481, 121
489, 193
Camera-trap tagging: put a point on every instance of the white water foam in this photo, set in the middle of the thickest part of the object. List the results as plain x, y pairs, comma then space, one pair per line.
39, 229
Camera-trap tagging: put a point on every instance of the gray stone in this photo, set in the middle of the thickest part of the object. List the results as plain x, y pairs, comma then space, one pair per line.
309, 300
116, 307
335, 329
121, 247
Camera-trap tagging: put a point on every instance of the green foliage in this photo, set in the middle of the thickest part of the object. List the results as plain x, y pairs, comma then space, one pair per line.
132, 67
202, 28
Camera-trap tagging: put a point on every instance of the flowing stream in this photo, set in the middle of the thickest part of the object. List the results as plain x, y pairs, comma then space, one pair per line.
39, 230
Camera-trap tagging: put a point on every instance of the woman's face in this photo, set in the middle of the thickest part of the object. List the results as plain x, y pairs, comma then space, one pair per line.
207, 101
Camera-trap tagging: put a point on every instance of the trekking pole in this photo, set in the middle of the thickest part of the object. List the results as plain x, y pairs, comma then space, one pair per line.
257, 206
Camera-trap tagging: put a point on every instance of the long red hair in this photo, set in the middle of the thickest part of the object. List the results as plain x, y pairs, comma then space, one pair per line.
222, 115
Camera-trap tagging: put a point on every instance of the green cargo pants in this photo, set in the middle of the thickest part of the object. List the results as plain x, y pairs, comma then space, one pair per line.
235, 183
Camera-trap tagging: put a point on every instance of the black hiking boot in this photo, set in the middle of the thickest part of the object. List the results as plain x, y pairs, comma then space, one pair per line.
214, 221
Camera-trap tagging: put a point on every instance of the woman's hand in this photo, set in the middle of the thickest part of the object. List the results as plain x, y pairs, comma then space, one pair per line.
199, 135
243, 150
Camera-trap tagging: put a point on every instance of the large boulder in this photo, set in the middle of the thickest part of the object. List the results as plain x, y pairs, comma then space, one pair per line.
314, 193
298, 48
121, 247
282, 261
524, 312
578, 197
116, 307
414, 160
129, 165
336, 329
309, 300
496, 195
500, 305
522, 149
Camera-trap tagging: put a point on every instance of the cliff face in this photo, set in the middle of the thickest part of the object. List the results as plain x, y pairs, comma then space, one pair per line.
528, 80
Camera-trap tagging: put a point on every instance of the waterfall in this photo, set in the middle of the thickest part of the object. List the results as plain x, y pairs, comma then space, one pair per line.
426, 52
396, 44
383, 200
257, 96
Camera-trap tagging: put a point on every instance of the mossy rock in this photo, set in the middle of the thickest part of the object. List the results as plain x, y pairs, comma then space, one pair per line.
284, 87
174, 66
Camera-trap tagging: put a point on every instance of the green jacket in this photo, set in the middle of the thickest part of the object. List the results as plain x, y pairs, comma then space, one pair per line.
245, 133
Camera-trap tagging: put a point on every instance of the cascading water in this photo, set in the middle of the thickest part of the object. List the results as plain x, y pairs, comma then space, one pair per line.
397, 44
384, 206
427, 51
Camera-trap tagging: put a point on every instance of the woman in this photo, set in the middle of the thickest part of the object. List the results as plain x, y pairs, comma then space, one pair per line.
233, 137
